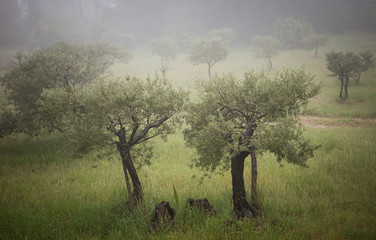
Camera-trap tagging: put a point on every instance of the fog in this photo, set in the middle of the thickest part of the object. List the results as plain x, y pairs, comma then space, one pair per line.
36, 23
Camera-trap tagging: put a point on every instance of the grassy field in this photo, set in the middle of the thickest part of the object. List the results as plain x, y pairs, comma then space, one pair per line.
47, 193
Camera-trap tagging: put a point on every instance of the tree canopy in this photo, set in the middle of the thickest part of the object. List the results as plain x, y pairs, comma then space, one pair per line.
314, 41
235, 118
267, 47
348, 65
208, 51
165, 48
60, 65
291, 32
124, 112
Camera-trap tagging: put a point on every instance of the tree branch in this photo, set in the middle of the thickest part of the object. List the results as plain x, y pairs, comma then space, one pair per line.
232, 110
112, 126
147, 128
134, 129
148, 138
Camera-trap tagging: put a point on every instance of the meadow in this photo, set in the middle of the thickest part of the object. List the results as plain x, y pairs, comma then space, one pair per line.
46, 192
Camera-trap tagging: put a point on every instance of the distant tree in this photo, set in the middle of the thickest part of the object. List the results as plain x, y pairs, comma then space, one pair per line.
237, 118
209, 51
126, 113
267, 48
226, 34
314, 41
165, 48
60, 65
366, 62
341, 65
348, 65
291, 32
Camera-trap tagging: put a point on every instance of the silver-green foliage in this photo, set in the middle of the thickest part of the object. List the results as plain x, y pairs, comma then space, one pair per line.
208, 51
348, 65
267, 47
314, 41
256, 112
291, 32
165, 48
60, 65
90, 116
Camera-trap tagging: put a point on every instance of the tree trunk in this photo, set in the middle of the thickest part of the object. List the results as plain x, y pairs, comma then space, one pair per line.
129, 188
255, 207
126, 159
209, 68
341, 80
269, 64
346, 86
164, 62
357, 77
241, 206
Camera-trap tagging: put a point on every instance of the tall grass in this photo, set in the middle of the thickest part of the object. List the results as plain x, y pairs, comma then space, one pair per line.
84, 198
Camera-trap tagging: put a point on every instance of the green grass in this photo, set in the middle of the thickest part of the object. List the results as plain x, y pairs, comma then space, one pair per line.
47, 194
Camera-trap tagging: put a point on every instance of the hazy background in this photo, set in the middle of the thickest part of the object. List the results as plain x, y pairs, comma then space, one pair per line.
37, 23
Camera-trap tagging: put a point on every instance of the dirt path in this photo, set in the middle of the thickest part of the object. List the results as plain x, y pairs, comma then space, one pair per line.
330, 122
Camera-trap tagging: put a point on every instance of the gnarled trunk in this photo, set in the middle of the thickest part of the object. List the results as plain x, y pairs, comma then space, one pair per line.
341, 80
128, 167
346, 85
269, 63
242, 208
209, 69
256, 210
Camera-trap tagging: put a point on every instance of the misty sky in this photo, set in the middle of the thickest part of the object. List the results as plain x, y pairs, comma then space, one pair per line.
145, 19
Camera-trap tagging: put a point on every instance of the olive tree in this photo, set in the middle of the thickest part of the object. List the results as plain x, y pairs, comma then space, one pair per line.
125, 113
208, 51
341, 65
236, 118
267, 48
366, 62
165, 48
60, 65
291, 32
348, 65
314, 41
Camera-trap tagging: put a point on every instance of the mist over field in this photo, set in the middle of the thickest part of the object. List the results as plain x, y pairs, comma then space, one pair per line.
194, 119
46, 21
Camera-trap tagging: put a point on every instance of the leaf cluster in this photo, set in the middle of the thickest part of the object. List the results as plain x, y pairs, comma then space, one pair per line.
268, 46
255, 112
164, 47
349, 63
60, 65
314, 41
92, 115
208, 50
291, 32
